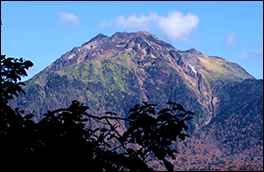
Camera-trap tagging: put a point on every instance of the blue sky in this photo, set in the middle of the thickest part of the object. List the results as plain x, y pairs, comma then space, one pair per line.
43, 31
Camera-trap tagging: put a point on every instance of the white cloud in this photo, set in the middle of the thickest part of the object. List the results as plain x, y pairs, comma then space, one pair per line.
230, 39
67, 19
174, 27
255, 53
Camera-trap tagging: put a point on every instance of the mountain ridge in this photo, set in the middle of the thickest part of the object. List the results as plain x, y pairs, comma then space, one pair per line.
118, 40
115, 73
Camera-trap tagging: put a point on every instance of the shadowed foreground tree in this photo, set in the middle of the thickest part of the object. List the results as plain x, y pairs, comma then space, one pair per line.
62, 140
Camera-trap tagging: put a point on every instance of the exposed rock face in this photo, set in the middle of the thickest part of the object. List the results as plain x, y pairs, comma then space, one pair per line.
144, 44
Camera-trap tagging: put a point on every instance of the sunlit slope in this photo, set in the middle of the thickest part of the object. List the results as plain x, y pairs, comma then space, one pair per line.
219, 69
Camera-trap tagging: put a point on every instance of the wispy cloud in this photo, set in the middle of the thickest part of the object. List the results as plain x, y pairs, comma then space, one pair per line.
258, 51
142, 22
243, 55
230, 39
175, 26
255, 53
67, 19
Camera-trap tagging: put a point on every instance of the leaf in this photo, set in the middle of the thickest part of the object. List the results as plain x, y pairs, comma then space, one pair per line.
179, 106
188, 118
168, 165
27, 117
113, 113
164, 110
175, 151
84, 108
101, 137
151, 110
104, 130
170, 153
174, 108
21, 83
160, 154
130, 151
85, 119
133, 115
142, 108
182, 136
137, 106
165, 117
132, 110
185, 127
189, 112
169, 103
28, 64
96, 129
182, 115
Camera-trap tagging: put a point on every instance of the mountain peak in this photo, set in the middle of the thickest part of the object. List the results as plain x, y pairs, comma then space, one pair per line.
100, 35
194, 51
144, 32
133, 33
130, 35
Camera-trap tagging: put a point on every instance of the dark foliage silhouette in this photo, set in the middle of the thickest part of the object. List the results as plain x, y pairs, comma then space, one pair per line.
62, 139
11, 71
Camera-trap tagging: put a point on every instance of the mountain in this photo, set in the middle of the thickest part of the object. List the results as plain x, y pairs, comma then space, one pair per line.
115, 73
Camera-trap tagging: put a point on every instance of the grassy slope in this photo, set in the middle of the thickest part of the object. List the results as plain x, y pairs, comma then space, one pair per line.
219, 71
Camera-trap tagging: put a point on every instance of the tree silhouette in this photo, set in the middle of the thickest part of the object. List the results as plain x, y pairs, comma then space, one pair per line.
62, 140
11, 71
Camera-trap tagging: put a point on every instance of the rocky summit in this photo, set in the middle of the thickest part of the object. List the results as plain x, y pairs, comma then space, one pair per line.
115, 73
